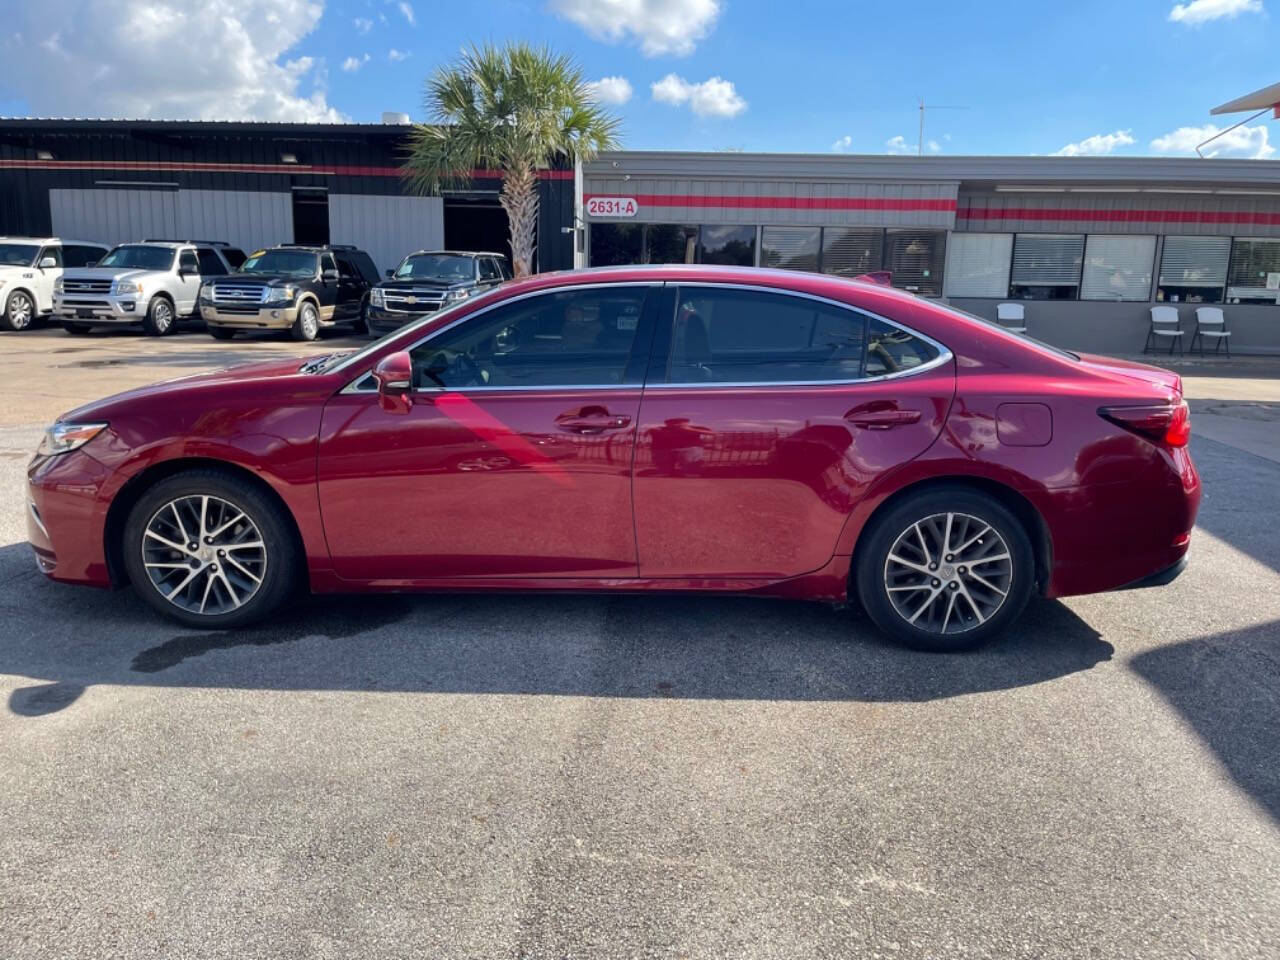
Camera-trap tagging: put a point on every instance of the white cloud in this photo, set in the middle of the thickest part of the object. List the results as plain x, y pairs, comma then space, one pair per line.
133, 58
363, 24
711, 98
406, 11
395, 56
934, 146
843, 145
1250, 142
899, 145
612, 90
352, 64
1098, 145
1202, 11
660, 26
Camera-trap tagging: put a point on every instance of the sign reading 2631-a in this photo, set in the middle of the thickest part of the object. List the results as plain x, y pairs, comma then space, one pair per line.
612, 207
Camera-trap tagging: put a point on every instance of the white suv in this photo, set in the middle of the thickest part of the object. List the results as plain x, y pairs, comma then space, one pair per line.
29, 268
153, 283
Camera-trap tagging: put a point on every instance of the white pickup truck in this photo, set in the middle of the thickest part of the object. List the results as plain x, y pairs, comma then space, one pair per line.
29, 268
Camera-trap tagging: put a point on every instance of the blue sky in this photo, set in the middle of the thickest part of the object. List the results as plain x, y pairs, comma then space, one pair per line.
1125, 76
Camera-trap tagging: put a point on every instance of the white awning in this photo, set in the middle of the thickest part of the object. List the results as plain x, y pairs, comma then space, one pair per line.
1258, 100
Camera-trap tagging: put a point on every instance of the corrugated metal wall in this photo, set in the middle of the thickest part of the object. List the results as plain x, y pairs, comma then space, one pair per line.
1119, 212
246, 219
387, 227
833, 203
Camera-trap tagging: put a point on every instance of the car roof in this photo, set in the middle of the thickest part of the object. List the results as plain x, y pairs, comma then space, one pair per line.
62, 240
460, 253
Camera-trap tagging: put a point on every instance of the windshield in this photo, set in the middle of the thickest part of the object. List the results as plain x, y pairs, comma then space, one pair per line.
281, 263
342, 361
18, 254
1039, 343
437, 266
139, 258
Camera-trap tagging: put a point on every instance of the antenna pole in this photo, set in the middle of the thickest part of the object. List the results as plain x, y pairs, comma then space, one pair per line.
920, 138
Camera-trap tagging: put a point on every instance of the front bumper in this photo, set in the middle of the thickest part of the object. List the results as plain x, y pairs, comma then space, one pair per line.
279, 317
100, 307
66, 517
382, 320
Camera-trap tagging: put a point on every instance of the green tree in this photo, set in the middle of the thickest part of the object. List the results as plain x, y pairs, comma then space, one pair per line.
513, 109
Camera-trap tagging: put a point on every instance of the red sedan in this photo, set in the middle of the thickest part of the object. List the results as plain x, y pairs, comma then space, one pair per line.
658, 428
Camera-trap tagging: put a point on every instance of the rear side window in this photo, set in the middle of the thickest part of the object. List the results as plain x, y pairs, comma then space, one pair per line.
364, 265
744, 336
891, 350
211, 264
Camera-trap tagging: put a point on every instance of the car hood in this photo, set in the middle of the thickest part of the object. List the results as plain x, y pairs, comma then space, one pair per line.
8, 269
106, 273
425, 284
269, 279
1134, 370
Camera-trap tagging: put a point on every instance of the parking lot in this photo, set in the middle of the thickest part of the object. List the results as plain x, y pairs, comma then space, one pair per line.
553, 776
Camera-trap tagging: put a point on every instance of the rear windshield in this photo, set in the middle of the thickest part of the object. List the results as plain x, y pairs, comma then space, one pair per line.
282, 263
18, 254
139, 257
437, 266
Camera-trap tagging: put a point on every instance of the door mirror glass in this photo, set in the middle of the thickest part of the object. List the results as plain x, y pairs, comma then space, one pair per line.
329, 273
47, 262
394, 375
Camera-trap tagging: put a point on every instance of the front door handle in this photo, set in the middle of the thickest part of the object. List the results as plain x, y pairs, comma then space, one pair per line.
882, 419
592, 422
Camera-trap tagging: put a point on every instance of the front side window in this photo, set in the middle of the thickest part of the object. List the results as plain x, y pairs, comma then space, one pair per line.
570, 338
747, 336
211, 264
345, 268
1117, 267
18, 254
136, 256
54, 252
439, 267
489, 269
1046, 266
281, 263
1255, 272
187, 262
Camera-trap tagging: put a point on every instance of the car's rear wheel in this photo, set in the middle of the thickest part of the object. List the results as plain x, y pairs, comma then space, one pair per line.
19, 311
210, 550
221, 333
76, 328
160, 318
307, 324
946, 569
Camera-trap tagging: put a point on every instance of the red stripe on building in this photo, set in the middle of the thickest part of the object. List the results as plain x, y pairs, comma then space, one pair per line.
163, 166
1120, 216
940, 205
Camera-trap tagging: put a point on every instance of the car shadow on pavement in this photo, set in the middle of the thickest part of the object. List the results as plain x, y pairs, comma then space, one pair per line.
1225, 687
687, 646
1238, 502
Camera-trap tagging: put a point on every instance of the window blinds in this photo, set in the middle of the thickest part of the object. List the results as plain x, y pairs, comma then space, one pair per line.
1047, 259
1195, 261
1118, 267
791, 248
978, 265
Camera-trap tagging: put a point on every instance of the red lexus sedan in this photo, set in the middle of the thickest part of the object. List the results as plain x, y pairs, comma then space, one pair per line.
639, 429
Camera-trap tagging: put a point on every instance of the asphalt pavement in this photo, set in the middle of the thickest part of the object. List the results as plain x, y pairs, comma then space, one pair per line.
596, 777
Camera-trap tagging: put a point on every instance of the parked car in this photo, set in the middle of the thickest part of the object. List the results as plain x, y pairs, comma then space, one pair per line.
152, 283
233, 255
29, 269
429, 280
639, 429
295, 287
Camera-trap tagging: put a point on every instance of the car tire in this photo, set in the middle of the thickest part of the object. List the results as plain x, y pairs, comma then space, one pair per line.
360, 324
171, 507
76, 329
161, 319
904, 578
221, 333
307, 324
19, 311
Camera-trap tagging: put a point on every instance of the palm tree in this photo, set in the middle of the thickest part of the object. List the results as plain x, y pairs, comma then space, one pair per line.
512, 109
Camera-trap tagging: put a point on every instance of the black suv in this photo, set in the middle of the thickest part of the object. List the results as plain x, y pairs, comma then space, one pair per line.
429, 280
294, 287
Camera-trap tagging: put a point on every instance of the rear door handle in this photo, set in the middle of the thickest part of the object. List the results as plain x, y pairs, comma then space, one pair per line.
592, 423
882, 419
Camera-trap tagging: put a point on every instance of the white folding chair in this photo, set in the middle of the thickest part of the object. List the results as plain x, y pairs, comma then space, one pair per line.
1164, 323
1012, 317
1211, 324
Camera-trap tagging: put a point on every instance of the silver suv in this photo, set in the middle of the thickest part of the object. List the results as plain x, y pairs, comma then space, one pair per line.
153, 283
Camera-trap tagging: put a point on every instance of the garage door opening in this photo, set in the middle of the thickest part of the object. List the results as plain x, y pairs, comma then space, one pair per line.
310, 216
475, 224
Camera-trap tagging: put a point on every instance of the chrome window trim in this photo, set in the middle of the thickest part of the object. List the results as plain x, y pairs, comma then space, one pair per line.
944, 356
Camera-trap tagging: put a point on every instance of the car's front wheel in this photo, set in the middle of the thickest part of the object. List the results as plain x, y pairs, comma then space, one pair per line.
946, 569
210, 550
160, 318
307, 324
19, 311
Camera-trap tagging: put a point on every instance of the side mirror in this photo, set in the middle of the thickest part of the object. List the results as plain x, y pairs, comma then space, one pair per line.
327, 275
47, 262
394, 374
390, 272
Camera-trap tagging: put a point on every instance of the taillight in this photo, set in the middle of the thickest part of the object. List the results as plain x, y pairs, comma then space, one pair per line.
1168, 424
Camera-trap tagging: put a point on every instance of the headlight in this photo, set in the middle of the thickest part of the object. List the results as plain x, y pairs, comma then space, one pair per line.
65, 437
206, 293
375, 297
57, 285
453, 295
281, 294
127, 286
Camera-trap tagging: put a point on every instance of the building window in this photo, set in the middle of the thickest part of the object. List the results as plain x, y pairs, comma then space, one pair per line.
1255, 272
914, 258
791, 248
1118, 267
978, 265
670, 243
851, 251
1046, 266
731, 246
616, 244
1193, 269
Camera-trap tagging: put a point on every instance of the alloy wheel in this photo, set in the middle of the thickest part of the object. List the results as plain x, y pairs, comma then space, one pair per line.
20, 310
204, 554
310, 322
162, 316
948, 573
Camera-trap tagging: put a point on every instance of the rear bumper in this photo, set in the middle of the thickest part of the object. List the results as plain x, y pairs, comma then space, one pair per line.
264, 318
1161, 577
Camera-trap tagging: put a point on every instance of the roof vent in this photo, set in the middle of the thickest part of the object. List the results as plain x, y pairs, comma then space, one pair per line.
391, 117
